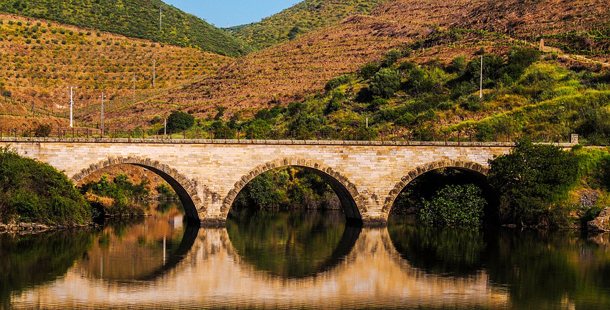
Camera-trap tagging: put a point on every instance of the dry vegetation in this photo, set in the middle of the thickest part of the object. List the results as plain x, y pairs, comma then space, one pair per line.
39, 60
288, 72
291, 71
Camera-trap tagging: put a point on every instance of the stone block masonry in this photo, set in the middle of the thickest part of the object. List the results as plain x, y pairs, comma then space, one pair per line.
208, 174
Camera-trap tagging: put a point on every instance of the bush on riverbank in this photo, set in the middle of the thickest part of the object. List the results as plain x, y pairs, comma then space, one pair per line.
532, 182
31, 191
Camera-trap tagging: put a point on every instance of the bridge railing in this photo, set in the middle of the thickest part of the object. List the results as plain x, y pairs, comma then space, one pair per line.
392, 136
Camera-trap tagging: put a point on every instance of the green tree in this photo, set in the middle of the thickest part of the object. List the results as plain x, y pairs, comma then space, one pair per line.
385, 83
455, 205
530, 179
43, 130
179, 120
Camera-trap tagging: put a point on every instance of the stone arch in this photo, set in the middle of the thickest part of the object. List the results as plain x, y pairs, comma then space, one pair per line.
352, 203
414, 173
185, 188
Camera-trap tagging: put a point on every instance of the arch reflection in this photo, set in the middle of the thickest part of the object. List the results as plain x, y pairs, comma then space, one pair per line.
450, 251
291, 244
140, 250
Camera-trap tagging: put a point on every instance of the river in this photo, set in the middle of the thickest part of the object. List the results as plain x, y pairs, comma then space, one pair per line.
301, 260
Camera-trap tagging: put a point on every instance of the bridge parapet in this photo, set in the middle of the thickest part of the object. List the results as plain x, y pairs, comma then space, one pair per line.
572, 143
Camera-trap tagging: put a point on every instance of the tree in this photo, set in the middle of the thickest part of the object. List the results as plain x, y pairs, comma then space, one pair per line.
530, 179
43, 130
179, 120
385, 83
454, 205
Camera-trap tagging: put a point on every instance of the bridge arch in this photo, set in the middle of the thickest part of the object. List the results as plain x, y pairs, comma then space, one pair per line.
346, 191
414, 173
185, 188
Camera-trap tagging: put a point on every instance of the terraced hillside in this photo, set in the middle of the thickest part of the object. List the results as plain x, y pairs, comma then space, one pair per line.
575, 26
286, 73
133, 18
39, 60
304, 17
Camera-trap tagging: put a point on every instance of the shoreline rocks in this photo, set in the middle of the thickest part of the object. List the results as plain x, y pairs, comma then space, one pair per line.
26, 228
601, 223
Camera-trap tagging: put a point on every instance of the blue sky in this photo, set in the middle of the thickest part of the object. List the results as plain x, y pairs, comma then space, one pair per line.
227, 13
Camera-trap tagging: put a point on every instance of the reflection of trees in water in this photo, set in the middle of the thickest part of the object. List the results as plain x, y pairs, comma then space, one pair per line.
439, 250
291, 244
539, 269
31, 260
135, 248
542, 268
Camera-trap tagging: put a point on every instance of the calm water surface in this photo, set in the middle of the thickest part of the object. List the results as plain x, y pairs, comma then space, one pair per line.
302, 260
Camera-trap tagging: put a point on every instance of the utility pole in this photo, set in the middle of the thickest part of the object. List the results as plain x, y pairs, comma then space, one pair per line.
72, 105
134, 87
160, 18
165, 127
154, 72
481, 85
102, 118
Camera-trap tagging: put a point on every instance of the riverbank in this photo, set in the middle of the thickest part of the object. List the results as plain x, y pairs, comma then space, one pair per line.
33, 228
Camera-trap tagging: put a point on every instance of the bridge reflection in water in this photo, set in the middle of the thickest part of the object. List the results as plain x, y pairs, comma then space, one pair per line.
224, 268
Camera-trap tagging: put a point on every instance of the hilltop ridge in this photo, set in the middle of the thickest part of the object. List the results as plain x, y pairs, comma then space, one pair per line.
133, 18
304, 17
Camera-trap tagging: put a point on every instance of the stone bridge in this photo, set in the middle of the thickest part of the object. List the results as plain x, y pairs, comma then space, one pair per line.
208, 174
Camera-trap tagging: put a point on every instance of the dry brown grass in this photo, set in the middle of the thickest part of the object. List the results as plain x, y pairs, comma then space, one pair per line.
39, 60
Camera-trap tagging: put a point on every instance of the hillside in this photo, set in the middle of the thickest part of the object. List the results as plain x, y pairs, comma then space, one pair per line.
427, 32
282, 74
575, 26
304, 17
133, 18
291, 71
39, 60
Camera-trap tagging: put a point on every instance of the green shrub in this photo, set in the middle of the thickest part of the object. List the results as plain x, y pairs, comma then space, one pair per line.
458, 64
368, 70
178, 121
43, 130
391, 57
454, 205
385, 83
31, 191
336, 82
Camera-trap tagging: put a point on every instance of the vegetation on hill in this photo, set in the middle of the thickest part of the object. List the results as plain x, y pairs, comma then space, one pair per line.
279, 75
523, 94
136, 18
31, 191
305, 16
39, 60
